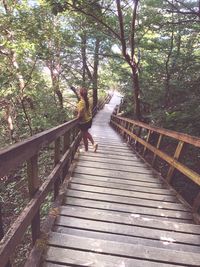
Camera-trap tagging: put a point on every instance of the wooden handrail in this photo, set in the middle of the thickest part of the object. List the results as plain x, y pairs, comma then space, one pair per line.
126, 127
13, 156
195, 141
27, 152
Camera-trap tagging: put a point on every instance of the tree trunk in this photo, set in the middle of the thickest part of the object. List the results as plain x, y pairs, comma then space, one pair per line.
55, 83
136, 94
95, 73
21, 87
83, 54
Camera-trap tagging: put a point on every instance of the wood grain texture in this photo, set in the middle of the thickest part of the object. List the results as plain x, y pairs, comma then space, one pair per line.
116, 212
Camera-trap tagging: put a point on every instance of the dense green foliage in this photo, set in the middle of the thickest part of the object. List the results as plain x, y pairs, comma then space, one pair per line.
47, 46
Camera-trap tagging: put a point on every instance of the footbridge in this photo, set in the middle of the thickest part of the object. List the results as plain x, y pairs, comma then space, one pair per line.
111, 208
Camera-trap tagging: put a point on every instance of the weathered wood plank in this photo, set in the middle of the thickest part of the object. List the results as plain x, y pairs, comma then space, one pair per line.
120, 192
89, 158
128, 187
113, 166
125, 250
94, 259
126, 200
129, 209
114, 147
50, 264
128, 219
111, 156
120, 174
120, 181
127, 230
126, 239
112, 152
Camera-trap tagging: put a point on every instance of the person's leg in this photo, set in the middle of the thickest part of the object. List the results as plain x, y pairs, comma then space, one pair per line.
85, 140
89, 137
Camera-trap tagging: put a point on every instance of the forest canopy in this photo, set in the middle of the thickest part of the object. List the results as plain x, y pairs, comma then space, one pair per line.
148, 50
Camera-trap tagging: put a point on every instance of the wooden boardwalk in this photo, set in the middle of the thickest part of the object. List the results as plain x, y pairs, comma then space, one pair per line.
117, 213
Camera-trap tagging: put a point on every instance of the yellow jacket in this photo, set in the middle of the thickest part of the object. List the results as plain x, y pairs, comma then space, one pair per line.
86, 115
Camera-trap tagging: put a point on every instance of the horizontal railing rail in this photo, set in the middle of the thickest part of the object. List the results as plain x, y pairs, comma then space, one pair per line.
66, 139
132, 130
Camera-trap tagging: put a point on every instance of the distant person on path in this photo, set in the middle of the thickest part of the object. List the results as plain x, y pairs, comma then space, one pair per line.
85, 118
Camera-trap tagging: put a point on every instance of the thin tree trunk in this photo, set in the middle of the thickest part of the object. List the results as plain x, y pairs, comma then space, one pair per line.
130, 59
95, 73
136, 93
21, 87
83, 54
55, 82
168, 71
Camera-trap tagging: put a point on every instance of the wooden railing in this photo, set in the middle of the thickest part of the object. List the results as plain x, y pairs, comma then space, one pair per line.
140, 133
66, 139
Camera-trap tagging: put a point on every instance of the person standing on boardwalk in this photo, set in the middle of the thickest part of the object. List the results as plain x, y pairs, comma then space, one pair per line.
85, 118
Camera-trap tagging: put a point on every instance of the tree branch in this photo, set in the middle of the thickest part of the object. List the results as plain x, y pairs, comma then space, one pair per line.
95, 18
132, 41
121, 25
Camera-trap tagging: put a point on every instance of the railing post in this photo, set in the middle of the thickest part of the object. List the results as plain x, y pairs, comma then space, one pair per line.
56, 160
2, 233
33, 185
1, 225
138, 135
196, 203
147, 140
125, 127
65, 148
128, 136
157, 146
176, 157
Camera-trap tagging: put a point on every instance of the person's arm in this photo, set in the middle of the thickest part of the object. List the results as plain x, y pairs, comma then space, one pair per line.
80, 109
80, 114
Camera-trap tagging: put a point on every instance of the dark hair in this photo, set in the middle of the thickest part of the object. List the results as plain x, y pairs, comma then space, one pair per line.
83, 93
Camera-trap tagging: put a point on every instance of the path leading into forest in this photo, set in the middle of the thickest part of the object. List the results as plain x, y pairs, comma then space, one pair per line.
118, 213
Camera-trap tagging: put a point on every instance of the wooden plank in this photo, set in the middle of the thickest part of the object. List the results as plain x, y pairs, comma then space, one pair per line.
118, 141
120, 174
105, 155
143, 211
128, 219
126, 200
120, 192
117, 146
94, 259
126, 239
114, 166
85, 158
125, 250
113, 152
127, 230
120, 181
50, 264
122, 186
